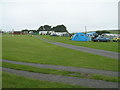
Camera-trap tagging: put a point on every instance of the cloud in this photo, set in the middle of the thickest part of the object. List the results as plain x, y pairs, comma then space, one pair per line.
75, 14
60, 1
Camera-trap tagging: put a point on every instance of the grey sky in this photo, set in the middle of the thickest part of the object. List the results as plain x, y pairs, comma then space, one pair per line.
74, 14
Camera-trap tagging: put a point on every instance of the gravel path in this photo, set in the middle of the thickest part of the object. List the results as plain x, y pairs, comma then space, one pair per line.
109, 54
64, 79
67, 68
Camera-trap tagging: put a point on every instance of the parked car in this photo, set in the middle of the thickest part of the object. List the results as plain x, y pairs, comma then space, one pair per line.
101, 39
54, 35
116, 39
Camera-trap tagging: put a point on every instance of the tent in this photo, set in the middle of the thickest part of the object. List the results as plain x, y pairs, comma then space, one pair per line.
91, 35
80, 37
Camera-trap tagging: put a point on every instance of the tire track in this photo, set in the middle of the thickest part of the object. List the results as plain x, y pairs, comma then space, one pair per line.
64, 79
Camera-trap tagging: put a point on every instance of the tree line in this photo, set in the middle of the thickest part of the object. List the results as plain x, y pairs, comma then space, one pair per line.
101, 32
58, 28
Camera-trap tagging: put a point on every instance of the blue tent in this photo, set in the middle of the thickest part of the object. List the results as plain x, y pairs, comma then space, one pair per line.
80, 37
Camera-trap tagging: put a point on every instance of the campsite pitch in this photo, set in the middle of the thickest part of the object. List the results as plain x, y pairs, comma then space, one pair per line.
105, 53
31, 49
25, 48
109, 46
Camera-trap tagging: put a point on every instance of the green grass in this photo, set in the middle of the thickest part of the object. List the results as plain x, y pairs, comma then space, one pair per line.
106, 78
14, 81
109, 46
30, 49
59, 72
0, 64
35, 69
0, 79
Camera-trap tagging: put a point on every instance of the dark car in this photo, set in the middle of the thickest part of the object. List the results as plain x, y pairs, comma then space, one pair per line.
101, 39
54, 35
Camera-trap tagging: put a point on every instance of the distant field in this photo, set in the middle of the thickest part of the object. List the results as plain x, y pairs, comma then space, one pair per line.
111, 31
30, 49
109, 46
114, 31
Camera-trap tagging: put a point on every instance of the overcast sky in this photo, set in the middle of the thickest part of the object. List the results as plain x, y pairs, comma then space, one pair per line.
74, 14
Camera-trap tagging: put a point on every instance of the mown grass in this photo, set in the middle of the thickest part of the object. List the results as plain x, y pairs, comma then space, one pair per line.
14, 81
109, 46
30, 49
59, 72
0, 79
0, 75
114, 31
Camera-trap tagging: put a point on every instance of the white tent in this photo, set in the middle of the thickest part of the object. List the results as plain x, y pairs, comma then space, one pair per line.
43, 32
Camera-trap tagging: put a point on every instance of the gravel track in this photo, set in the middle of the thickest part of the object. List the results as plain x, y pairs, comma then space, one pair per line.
109, 54
67, 68
64, 79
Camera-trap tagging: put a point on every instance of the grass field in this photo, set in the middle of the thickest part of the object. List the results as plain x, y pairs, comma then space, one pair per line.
109, 46
111, 31
14, 81
114, 31
30, 49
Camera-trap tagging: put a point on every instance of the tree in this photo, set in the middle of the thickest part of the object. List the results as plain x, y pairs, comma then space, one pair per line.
44, 28
41, 28
47, 27
101, 32
59, 28
25, 30
34, 31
